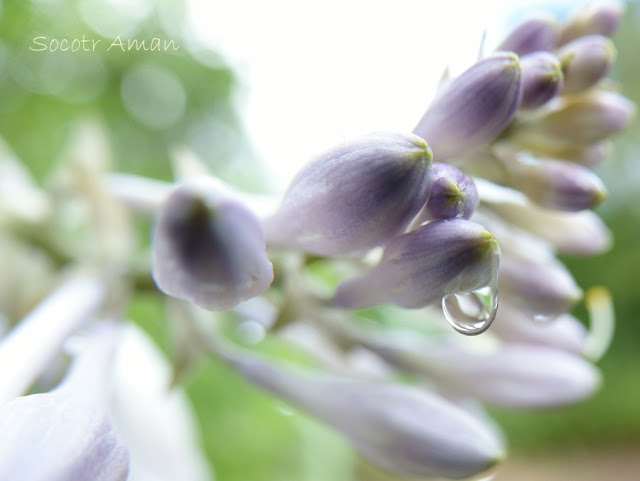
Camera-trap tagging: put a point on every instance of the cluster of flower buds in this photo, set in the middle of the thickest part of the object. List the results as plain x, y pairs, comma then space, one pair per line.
494, 180
378, 248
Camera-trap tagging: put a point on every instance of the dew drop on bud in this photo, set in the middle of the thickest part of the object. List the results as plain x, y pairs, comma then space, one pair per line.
544, 318
472, 312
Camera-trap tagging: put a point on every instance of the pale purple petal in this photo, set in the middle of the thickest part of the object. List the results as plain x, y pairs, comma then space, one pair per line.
208, 248
66, 434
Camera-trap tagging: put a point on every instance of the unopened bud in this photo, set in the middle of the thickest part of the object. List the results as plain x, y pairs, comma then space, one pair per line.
542, 289
423, 266
473, 108
574, 233
512, 375
400, 428
515, 326
578, 120
452, 194
556, 184
208, 248
355, 196
588, 155
542, 79
531, 36
585, 61
595, 19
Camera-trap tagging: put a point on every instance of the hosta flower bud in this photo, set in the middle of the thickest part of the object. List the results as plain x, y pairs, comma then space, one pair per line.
66, 434
403, 430
588, 155
425, 265
514, 375
541, 289
515, 326
541, 79
594, 19
355, 196
556, 184
209, 248
579, 120
575, 233
531, 36
473, 108
452, 194
585, 61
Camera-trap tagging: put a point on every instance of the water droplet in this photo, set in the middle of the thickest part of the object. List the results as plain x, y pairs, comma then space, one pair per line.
544, 318
472, 312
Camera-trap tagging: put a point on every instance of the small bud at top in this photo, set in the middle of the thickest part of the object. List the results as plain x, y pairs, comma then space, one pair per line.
542, 79
596, 19
585, 61
422, 267
531, 36
355, 196
208, 248
473, 108
452, 194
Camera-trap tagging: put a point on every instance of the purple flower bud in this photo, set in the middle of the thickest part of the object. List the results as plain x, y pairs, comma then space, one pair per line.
473, 108
209, 248
531, 36
404, 430
541, 79
422, 267
514, 326
585, 61
588, 155
68, 430
355, 196
595, 19
578, 120
574, 233
452, 194
542, 289
514, 375
556, 184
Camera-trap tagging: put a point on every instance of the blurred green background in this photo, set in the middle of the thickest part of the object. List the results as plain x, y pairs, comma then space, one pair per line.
151, 102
